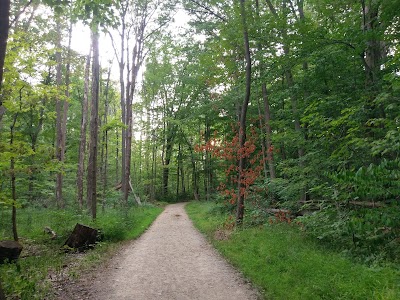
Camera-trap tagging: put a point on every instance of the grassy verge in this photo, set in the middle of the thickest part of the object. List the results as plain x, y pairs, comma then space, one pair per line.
42, 261
285, 264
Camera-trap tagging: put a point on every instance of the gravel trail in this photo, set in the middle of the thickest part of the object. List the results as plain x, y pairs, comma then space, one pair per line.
171, 260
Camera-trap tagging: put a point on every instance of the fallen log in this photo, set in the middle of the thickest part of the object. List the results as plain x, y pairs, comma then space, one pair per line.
82, 237
9, 251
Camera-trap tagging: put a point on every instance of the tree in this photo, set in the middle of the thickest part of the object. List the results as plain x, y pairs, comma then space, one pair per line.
243, 116
4, 27
94, 125
83, 127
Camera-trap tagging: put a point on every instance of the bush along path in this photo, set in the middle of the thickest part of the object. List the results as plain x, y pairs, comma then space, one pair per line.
172, 260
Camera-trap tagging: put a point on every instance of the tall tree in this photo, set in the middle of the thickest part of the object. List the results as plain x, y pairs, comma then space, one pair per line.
94, 125
243, 116
83, 127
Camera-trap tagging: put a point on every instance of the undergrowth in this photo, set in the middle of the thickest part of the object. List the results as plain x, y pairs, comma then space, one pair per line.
42, 259
286, 264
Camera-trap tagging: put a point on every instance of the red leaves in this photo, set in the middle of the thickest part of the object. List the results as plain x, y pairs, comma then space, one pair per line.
230, 152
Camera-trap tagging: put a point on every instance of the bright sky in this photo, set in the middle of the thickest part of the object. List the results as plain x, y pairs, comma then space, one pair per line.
81, 41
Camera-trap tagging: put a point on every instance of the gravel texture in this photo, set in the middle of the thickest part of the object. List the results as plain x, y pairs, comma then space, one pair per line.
171, 260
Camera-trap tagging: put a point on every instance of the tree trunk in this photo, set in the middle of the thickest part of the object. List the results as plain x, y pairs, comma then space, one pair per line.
207, 163
13, 188
104, 144
243, 114
65, 101
4, 28
92, 163
123, 107
34, 134
268, 131
166, 162
82, 140
373, 51
263, 142
59, 118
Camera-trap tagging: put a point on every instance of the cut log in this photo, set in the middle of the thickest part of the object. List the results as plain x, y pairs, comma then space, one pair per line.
9, 251
82, 237
51, 232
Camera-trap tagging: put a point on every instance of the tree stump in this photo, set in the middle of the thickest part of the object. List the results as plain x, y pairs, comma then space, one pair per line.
82, 237
9, 251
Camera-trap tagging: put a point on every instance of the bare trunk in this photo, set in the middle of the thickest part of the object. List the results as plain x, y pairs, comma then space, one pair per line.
268, 131
153, 172
13, 188
374, 49
137, 57
123, 107
263, 142
82, 143
104, 145
59, 118
4, 28
34, 136
166, 162
92, 163
128, 148
243, 114
65, 102
207, 163
178, 174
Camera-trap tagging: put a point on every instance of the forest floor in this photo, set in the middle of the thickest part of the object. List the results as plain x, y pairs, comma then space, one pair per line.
171, 260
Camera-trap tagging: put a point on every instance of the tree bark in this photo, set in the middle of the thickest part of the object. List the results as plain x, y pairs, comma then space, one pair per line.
59, 120
82, 140
13, 187
34, 134
104, 144
243, 114
167, 160
268, 131
92, 163
137, 59
263, 142
4, 29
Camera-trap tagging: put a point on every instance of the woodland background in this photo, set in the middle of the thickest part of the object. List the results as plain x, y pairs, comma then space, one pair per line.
280, 111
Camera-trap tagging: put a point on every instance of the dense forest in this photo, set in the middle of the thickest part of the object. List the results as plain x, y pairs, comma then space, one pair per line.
280, 111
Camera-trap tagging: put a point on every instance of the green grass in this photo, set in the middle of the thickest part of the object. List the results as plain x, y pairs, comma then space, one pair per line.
286, 264
28, 279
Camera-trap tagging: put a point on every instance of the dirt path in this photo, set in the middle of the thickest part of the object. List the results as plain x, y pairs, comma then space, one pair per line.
172, 260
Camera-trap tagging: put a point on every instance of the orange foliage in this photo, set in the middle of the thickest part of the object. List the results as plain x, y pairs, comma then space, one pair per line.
230, 153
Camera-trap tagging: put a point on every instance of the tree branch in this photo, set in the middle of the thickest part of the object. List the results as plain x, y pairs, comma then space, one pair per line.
271, 7
20, 13
209, 10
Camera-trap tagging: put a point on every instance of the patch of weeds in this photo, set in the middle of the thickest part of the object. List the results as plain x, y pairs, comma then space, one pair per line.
43, 261
284, 263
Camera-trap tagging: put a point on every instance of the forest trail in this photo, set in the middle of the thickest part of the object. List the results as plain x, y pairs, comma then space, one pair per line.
171, 260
